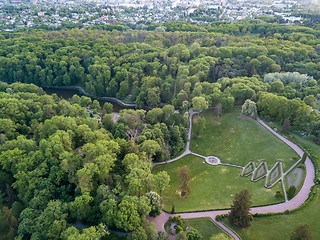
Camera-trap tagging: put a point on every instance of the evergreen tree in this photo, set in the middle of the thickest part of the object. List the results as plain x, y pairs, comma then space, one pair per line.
301, 232
239, 214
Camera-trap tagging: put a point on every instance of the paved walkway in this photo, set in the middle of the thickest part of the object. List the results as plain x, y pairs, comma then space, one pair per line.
297, 201
187, 151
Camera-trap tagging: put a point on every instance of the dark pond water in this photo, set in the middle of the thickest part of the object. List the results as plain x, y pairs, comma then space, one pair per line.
68, 93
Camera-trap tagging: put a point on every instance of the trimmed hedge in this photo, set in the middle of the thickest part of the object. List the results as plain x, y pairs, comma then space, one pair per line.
304, 157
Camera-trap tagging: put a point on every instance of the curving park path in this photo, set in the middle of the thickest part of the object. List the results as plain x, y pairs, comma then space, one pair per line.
295, 202
112, 99
187, 151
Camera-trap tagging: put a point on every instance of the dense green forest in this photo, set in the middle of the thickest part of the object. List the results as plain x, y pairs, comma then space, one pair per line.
225, 63
66, 165
61, 167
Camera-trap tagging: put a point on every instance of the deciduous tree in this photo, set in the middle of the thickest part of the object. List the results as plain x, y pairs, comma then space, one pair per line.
249, 108
161, 181
301, 232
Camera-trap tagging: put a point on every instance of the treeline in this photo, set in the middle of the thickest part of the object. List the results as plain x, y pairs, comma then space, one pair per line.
254, 26
296, 113
153, 66
64, 168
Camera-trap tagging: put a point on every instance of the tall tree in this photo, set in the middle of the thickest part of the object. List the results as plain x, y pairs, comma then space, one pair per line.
168, 111
194, 234
151, 147
108, 107
239, 213
199, 103
301, 232
286, 126
201, 125
249, 108
155, 202
161, 180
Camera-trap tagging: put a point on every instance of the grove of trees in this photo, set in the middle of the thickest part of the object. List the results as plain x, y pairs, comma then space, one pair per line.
61, 169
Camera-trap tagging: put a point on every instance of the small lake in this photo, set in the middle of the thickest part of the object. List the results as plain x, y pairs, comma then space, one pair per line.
68, 93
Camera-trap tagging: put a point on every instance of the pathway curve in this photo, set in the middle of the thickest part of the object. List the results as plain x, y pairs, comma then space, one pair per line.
295, 202
187, 151
98, 98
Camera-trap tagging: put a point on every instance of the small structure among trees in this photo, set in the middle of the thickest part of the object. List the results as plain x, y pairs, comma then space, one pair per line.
239, 213
249, 108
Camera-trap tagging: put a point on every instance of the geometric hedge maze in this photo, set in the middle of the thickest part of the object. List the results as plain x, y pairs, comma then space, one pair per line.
273, 175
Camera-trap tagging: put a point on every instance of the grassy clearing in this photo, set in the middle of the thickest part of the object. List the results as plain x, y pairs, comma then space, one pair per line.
237, 141
205, 226
212, 187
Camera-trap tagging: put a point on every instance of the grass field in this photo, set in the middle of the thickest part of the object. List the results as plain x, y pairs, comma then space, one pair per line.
205, 226
236, 140
212, 187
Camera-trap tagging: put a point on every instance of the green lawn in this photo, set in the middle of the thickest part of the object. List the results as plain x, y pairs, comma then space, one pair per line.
294, 178
280, 227
212, 187
205, 226
236, 140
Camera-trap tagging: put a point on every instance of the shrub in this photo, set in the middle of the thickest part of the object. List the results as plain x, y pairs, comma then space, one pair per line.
279, 195
218, 218
178, 229
194, 234
301, 232
295, 158
267, 118
304, 157
178, 220
173, 209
